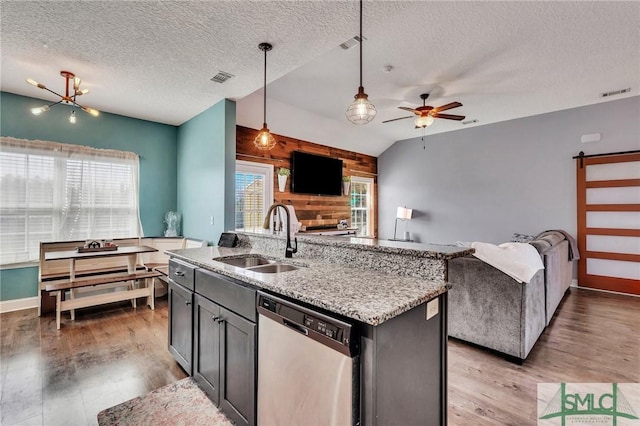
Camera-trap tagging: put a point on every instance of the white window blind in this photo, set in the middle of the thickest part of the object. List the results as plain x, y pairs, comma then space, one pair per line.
254, 193
55, 192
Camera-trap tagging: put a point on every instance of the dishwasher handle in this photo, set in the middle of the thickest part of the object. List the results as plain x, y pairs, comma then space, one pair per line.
296, 327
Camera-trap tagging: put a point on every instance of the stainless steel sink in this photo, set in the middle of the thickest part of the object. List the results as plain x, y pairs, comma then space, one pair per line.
257, 263
245, 262
273, 268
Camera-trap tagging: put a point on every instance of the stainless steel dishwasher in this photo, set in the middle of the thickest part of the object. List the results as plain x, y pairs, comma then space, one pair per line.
308, 366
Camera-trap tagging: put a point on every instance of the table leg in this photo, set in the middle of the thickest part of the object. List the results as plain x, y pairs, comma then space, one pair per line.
72, 277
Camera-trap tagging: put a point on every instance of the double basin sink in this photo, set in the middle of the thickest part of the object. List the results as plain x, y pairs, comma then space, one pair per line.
258, 264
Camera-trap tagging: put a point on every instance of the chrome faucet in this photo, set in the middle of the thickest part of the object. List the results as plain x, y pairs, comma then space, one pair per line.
288, 251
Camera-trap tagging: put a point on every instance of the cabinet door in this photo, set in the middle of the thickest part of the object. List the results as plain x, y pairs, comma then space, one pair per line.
237, 368
206, 347
180, 325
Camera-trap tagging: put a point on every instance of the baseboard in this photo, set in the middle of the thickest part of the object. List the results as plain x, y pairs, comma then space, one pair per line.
574, 283
19, 304
609, 291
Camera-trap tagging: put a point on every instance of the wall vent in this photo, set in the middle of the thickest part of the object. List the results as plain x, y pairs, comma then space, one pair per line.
470, 121
615, 92
221, 77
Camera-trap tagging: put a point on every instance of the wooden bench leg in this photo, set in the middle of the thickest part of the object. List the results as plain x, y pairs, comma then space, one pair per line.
72, 295
132, 286
151, 299
58, 308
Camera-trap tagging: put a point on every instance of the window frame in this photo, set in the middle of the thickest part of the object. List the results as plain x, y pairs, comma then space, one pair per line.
268, 188
370, 182
64, 203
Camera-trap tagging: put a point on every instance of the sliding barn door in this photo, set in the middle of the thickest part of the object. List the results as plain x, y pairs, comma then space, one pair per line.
609, 222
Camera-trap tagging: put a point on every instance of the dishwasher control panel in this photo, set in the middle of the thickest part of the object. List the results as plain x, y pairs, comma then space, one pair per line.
315, 325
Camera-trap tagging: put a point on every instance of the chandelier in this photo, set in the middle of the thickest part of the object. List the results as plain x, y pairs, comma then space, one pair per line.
72, 91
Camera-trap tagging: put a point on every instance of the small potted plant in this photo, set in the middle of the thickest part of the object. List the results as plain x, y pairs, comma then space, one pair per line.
346, 183
283, 174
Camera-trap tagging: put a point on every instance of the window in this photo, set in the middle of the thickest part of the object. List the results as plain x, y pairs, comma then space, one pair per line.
254, 193
362, 205
55, 192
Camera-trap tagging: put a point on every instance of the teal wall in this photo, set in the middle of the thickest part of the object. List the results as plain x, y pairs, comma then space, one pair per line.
156, 144
206, 168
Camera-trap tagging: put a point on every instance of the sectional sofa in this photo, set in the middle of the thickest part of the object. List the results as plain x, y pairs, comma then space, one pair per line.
489, 308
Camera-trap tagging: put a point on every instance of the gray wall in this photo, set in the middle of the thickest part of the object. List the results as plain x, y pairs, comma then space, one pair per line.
486, 182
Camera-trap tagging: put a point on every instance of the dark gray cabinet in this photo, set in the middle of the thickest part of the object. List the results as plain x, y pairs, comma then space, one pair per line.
238, 368
181, 324
224, 361
206, 327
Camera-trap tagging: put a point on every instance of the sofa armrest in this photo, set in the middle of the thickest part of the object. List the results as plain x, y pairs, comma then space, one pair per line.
491, 309
558, 273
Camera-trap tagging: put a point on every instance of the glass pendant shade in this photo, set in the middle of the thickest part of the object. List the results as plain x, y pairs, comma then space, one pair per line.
72, 117
424, 121
361, 110
265, 140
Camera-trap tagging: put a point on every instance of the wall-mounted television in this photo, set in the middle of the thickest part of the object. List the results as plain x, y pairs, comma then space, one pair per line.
315, 174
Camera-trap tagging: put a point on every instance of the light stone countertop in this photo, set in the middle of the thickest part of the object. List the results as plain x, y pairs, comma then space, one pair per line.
425, 250
367, 296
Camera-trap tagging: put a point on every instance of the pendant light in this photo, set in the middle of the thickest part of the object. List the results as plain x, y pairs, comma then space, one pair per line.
265, 140
361, 110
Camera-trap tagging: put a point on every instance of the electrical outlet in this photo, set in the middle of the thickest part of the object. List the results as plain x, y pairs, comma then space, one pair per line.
432, 308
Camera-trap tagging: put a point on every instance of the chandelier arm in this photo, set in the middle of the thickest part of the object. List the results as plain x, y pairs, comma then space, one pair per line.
55, 93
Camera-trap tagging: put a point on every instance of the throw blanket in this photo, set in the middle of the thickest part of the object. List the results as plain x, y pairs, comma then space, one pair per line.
574, 254
520, 261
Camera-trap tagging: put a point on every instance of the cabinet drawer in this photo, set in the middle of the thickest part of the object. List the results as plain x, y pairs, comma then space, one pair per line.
182, 273
226, 292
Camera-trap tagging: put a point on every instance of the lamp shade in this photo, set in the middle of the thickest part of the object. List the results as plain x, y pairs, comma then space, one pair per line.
403, 213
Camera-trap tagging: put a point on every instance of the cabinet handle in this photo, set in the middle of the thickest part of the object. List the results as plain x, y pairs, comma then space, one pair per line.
220, 319
187, 303
215, 318
180, 273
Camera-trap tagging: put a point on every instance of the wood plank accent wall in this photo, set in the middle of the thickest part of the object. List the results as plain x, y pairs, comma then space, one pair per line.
331, 209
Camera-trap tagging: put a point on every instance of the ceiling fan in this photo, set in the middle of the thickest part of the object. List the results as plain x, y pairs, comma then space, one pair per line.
426, 114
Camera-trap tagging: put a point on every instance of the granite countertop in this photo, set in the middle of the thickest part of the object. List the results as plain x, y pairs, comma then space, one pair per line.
367, 296
429, 251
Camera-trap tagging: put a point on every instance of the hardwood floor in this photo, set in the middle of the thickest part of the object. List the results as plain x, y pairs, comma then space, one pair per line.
113, 353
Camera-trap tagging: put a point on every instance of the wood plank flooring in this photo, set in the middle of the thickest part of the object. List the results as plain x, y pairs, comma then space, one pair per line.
113, 353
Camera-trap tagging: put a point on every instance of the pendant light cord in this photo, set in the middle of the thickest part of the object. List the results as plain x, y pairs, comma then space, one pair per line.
361, 43
264, 104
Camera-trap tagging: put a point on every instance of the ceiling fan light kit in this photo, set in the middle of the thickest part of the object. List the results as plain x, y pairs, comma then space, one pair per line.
265, 140
361, 110
72, 91
427, 114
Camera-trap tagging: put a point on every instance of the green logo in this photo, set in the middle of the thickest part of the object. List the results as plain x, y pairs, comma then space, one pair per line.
593, 406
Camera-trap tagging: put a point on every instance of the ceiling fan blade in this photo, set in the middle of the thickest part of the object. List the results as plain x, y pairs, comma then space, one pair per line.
396, 119
447, 106
449, 116
410, 110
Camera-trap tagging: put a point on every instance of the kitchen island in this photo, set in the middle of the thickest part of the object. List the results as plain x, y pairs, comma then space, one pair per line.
394, 292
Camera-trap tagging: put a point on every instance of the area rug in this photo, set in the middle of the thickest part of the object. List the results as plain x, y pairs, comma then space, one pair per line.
179, 403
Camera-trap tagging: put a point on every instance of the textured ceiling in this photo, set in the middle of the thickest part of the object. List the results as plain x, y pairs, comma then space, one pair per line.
154, 60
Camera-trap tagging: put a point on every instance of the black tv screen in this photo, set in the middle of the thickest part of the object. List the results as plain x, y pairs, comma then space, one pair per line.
315, 174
